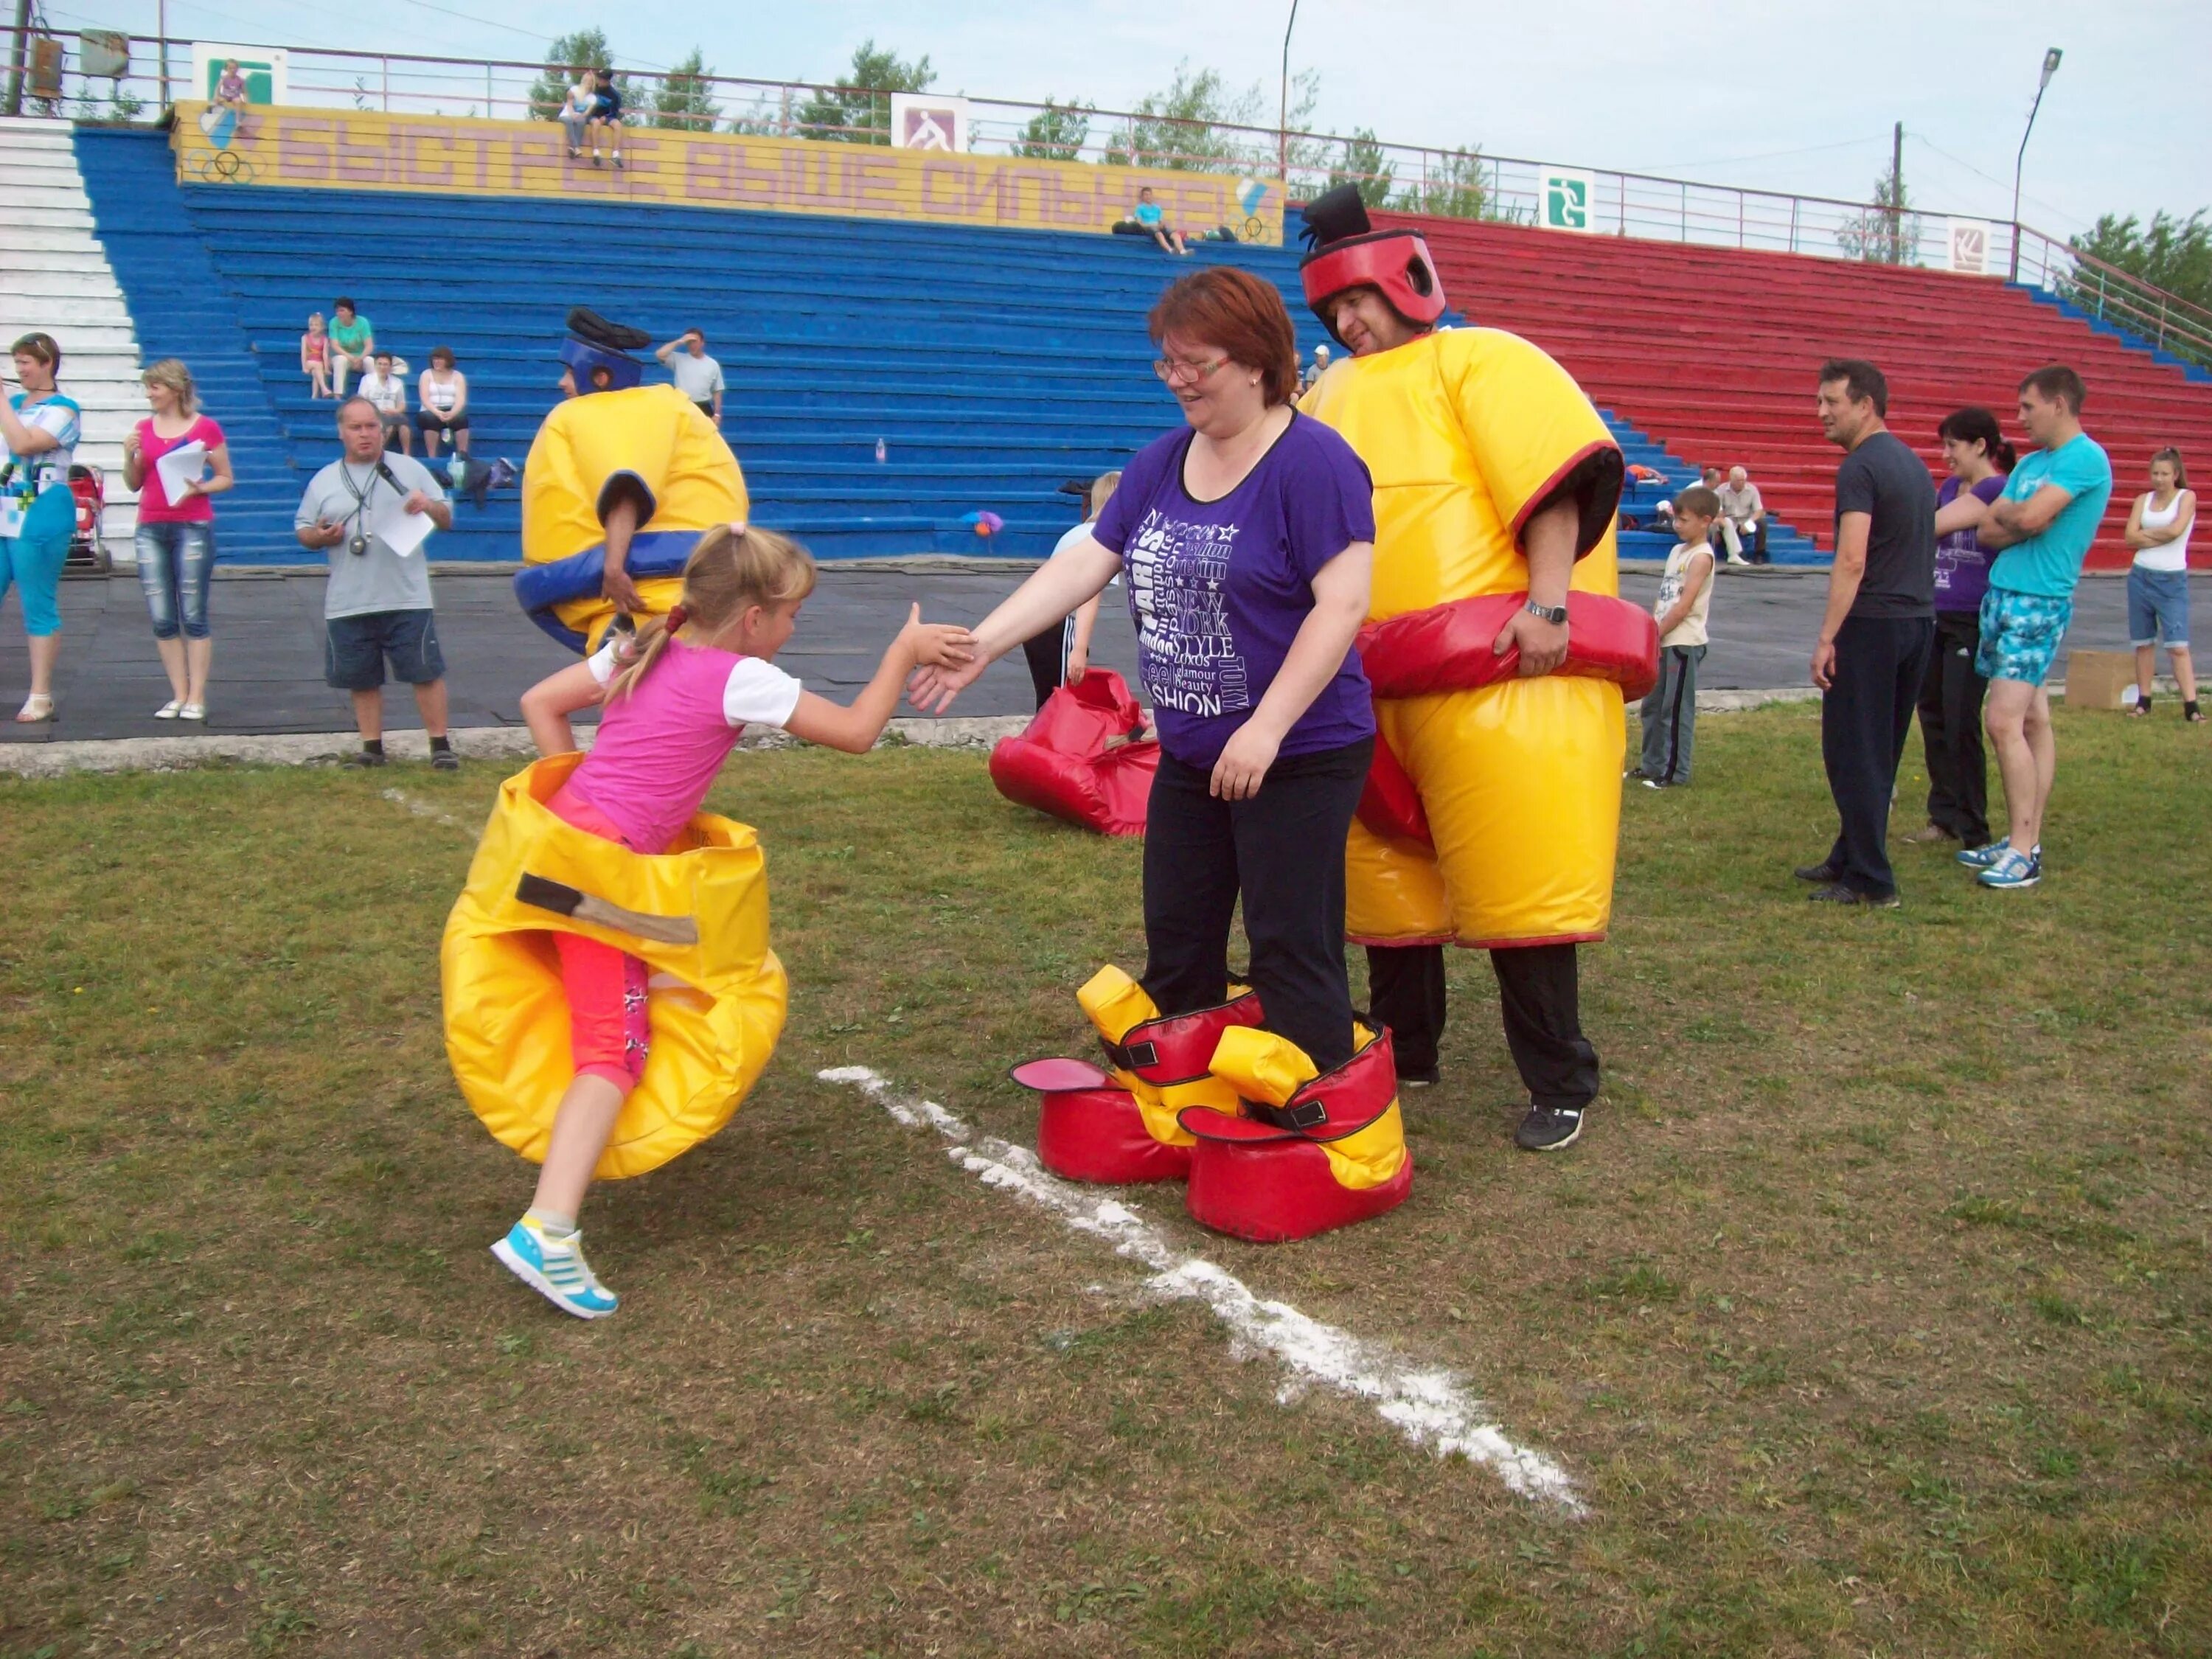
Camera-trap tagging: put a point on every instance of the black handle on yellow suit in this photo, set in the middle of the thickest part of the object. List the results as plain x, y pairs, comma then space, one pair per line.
541, 894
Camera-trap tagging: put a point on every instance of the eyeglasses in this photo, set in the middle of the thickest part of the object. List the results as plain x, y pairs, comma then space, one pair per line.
1172, 371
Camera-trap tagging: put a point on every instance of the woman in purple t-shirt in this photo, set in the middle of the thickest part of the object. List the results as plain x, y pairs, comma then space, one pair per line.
1951, 695
1248, 541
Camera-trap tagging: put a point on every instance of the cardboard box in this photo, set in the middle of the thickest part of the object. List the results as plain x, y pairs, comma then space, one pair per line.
2095, 679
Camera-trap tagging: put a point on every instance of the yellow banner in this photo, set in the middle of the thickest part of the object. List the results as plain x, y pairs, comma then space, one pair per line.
332, 149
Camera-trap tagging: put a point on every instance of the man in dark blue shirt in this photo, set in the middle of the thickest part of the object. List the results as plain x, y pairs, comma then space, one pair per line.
1878, 631
607, 118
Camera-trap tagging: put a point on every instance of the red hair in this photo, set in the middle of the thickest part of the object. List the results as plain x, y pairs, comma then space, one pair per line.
1238, 314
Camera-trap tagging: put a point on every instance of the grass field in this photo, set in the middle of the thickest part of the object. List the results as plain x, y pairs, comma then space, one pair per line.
1871, 1317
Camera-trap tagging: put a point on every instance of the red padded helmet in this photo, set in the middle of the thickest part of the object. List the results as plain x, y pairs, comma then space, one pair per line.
1348, 253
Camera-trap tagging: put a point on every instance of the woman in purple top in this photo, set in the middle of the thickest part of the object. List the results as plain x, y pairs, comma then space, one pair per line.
1951, 695
1248, 541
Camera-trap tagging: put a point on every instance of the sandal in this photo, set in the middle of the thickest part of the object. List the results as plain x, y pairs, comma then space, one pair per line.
38, 706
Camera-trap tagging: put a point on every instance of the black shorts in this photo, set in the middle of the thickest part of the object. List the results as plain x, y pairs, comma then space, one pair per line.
354, 649
430, 421
706, 407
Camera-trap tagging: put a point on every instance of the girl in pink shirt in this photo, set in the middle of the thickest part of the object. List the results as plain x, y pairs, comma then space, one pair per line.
674, 702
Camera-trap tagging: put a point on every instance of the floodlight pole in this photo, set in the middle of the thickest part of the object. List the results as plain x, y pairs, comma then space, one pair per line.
1283, 118
2049, 68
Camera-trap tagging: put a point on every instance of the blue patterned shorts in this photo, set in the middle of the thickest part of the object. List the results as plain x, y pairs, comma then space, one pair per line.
2021, 633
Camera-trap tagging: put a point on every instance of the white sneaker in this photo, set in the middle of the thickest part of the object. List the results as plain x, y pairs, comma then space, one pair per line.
170, 710
193, 711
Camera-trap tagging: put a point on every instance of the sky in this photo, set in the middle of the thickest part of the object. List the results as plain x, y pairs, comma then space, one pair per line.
1773, 95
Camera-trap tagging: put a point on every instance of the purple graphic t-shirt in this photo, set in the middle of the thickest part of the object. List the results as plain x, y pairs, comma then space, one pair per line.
1219, 589
1962, 569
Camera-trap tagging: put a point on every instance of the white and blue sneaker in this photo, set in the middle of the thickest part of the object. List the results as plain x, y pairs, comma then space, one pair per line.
555, 1269
1981, 858
2011, 871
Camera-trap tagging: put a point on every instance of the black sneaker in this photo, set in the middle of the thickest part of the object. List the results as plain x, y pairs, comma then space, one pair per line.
1548, 1128
363, 757
1418, 1077
1823, 873
1836, 893
444, 760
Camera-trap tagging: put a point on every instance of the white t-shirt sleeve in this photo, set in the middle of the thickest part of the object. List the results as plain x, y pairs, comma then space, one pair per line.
759, 693
602, 662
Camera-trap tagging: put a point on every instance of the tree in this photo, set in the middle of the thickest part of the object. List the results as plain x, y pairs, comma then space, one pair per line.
569, 56
2173, 254
1888, 232
1451, 186
1181, 127
860, 111
1363, 164
1055, 133
686, 97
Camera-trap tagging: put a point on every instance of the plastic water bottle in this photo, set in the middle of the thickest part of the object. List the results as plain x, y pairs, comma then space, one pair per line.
882, 454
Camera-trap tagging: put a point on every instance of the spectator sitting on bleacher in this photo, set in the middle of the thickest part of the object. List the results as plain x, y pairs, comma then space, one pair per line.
384, 389
1319, 367
315, 356
442, 410
697, 376
607, 116
577, 111
230, 89
353, 343
1155, 224
1743, 513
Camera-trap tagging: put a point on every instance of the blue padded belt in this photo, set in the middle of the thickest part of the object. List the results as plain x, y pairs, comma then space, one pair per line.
539, 587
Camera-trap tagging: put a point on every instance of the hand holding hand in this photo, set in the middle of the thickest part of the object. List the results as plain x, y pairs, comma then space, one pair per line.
936, 645
932, 689
1244, 762
1543, 645
1824, 665
617, 586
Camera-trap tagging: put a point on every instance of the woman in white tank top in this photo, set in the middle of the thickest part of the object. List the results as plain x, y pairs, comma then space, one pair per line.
2158, 583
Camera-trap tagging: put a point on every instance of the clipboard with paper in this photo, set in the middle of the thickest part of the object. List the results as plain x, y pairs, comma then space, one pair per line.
180, 468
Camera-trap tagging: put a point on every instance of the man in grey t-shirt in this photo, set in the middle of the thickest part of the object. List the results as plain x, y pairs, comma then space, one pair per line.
376, 606
698, 376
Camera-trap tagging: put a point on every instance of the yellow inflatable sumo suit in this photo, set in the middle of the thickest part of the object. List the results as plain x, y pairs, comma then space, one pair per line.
615, 440
1467, 432
716, 997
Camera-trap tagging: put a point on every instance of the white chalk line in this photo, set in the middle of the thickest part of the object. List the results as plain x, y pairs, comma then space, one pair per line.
423, 809
1431, 1407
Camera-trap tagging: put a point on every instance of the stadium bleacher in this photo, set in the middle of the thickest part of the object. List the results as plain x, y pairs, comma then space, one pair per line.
1712, 351
992, 365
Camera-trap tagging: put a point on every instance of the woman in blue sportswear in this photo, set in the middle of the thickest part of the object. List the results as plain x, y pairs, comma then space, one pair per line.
37, 513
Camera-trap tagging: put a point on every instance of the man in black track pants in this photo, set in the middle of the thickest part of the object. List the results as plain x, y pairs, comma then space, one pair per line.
1878, 630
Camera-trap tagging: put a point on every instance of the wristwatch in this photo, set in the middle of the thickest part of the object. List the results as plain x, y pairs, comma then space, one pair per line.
1555, 614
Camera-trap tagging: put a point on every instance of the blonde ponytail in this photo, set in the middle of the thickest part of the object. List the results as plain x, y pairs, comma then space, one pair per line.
734, 567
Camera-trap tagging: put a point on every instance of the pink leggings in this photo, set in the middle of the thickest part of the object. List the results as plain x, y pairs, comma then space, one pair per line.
609, 1031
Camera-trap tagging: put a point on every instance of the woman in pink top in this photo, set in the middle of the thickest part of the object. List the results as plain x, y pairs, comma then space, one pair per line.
674, 703
175, 538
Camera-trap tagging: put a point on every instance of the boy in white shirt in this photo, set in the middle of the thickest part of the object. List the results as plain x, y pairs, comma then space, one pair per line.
1685, 593
385, 386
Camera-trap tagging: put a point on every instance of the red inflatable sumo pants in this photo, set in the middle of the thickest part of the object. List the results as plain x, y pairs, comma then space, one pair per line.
1068, 761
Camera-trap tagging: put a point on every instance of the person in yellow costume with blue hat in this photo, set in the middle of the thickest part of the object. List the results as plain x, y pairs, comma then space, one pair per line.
1499, 653
620, 480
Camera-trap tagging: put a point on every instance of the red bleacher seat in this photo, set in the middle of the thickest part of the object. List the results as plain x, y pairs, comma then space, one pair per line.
1712, 352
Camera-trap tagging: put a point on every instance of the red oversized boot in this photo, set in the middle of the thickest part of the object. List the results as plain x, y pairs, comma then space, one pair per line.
1121, 1127
1306, 1152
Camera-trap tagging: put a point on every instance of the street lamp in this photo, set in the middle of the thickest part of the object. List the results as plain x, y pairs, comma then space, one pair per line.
2049, 68
1283, 119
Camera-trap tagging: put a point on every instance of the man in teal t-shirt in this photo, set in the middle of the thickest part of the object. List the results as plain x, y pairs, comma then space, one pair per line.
2040, 530
353, 344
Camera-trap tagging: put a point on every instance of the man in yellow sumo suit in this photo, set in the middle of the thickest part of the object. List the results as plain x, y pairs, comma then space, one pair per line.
620, 480
1499, 651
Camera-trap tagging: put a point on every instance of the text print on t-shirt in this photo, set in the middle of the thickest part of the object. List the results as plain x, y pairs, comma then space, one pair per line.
1178, 573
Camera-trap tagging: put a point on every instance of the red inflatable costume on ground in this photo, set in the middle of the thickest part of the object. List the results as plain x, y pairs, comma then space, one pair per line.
1271, 1148
1070, 761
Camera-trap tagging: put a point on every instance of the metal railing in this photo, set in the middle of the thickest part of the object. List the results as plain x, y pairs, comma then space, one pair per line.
1410, 177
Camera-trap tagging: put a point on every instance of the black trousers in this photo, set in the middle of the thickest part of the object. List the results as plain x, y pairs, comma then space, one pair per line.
1951, 727
1047, 656
1539, 993
1865, 714
1283, 851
